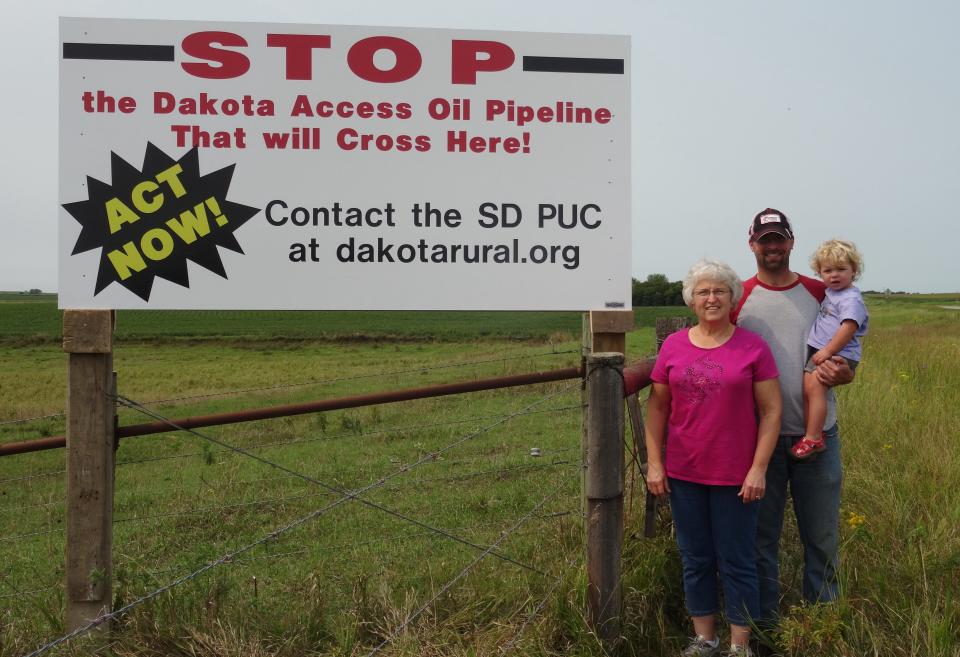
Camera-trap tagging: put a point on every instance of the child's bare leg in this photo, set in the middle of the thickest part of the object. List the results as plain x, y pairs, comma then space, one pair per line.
815, 405
815, 401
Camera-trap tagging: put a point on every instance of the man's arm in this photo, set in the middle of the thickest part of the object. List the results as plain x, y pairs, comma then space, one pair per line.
835, 372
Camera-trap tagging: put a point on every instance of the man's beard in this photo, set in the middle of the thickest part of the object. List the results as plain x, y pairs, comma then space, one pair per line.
773, 261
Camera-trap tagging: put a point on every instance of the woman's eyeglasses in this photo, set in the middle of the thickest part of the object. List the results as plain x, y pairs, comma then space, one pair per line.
705, 294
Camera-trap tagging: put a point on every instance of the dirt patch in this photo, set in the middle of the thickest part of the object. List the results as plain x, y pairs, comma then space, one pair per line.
950, 307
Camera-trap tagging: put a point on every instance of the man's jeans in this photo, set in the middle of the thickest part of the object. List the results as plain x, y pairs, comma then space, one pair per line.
815, 488
715, 531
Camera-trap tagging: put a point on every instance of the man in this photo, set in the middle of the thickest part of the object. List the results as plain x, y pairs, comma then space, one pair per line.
781, 305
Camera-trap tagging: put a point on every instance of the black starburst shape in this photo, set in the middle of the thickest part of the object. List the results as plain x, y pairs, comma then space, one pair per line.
139, 245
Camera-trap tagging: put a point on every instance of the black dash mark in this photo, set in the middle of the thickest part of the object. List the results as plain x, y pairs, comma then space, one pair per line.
118, 51
573, 65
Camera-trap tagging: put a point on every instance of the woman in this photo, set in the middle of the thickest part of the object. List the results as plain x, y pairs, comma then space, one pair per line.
715, 394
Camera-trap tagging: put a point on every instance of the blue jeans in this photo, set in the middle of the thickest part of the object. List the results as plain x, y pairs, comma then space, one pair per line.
815, 489
716, 530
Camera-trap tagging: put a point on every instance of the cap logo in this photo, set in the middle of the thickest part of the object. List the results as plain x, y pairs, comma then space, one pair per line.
770, 219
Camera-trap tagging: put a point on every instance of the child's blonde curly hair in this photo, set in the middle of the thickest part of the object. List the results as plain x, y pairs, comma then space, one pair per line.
837, 252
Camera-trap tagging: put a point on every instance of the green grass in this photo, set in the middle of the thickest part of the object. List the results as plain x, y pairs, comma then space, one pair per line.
340, 583
29, 320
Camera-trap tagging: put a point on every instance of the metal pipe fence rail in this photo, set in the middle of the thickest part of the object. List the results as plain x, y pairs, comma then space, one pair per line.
272, 412
313, 382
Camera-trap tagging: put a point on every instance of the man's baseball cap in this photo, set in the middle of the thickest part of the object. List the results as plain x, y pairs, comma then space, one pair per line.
770, 221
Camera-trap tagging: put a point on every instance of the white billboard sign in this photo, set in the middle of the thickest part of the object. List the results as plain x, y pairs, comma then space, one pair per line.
278, 166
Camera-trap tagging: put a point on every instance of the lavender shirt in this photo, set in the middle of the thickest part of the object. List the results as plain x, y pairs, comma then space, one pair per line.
836, 307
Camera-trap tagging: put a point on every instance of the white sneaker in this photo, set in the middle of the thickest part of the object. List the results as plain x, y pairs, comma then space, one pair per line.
700, 647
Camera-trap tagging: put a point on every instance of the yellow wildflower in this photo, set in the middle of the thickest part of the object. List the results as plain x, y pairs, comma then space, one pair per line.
855, 520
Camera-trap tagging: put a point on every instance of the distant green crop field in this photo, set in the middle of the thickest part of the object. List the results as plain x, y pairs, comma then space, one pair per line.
39, 320
944, 297
22, 296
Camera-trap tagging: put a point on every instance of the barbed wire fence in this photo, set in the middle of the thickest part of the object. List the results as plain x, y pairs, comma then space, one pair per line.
343, 496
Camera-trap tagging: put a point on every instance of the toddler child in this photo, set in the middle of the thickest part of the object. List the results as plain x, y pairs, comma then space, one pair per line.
836, 332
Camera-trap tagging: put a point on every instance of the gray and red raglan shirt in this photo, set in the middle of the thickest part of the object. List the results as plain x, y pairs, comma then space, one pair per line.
783, 317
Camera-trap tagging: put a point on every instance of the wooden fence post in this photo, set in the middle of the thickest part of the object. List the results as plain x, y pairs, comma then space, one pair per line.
91, 411
604, 333
604, 492
667, 325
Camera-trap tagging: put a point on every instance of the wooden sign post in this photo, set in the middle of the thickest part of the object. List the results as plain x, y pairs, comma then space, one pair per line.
91, 412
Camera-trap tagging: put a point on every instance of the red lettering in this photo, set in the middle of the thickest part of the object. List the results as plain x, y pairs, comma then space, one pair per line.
360, 59
200, 45
299, 52
465, 64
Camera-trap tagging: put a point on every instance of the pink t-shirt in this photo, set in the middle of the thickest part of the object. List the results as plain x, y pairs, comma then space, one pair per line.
712, 428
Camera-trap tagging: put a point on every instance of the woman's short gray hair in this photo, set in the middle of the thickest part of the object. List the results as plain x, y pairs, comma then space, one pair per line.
712, 270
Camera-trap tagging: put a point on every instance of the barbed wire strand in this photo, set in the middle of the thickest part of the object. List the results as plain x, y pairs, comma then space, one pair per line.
446, 587
353, 434
358, 377
279, 500
21, 507
103, 618
431, 456
227, 558
10, 508
24, 420
536, 610
346, 434
20, 537
38, 475
344, 547
340, 547
289, 498
20, 594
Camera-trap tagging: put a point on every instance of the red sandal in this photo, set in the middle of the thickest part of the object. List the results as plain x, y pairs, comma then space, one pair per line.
807, 447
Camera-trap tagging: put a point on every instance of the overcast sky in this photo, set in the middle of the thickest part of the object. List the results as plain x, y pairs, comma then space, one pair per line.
842, 114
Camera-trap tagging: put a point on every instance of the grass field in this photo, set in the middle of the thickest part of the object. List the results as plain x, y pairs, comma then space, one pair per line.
341, 582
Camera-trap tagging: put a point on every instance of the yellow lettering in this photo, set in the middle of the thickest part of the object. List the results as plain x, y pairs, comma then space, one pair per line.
190, 224
118, 213
170, 177
140, 201
124, 261
215, 208
153, 251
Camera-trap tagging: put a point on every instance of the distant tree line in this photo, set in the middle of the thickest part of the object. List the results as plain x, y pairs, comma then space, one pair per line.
657, 291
